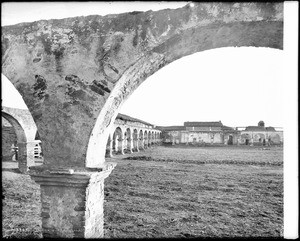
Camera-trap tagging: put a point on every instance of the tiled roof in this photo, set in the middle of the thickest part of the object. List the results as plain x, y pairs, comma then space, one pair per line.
255, 128
227, 128
129, 118
203, 124
270, 128
171, 128
259, 128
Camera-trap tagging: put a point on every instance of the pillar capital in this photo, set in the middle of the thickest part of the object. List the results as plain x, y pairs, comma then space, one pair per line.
45, 175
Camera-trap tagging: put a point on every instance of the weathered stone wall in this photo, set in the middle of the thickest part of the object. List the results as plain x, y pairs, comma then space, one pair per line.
276, 137
193, 137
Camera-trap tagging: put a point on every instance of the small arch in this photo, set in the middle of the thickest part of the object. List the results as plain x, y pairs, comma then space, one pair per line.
230, 140
275, 139
20, 146
118, 140
21, 136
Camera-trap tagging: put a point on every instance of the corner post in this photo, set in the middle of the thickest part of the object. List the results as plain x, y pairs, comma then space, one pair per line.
72, 201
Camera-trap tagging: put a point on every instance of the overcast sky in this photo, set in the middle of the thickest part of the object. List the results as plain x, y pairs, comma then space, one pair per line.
239, 86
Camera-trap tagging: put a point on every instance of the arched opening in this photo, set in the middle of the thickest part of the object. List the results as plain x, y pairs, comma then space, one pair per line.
230, 140
118, 141
9, 140
274, 139
15, 110
238, 99
19, 146
201, 37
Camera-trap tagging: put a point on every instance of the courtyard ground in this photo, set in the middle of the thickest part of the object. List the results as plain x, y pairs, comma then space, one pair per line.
173, 192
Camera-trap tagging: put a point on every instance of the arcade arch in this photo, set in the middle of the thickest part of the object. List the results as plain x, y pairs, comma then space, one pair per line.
28, 143
118, 139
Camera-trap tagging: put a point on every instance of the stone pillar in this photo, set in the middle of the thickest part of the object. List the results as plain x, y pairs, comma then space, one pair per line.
142, 144
267, 142
22, 157
251, 142
72, 201
25, 156
130, 143
173, 141
30, 153
225, 141
136, 144
116, 144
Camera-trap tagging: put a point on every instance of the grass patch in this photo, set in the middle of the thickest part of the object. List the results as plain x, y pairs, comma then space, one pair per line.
201, 195
20, 206
172, 193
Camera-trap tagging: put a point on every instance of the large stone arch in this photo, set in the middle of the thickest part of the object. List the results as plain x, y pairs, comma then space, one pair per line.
80, 70
219, 30
74, 75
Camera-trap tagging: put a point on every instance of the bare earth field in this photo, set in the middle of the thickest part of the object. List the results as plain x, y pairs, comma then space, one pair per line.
173, 192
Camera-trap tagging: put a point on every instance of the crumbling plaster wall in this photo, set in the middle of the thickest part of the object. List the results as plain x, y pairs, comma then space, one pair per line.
75, 73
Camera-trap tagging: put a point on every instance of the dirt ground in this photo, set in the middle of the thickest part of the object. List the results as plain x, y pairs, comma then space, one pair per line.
173, 192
